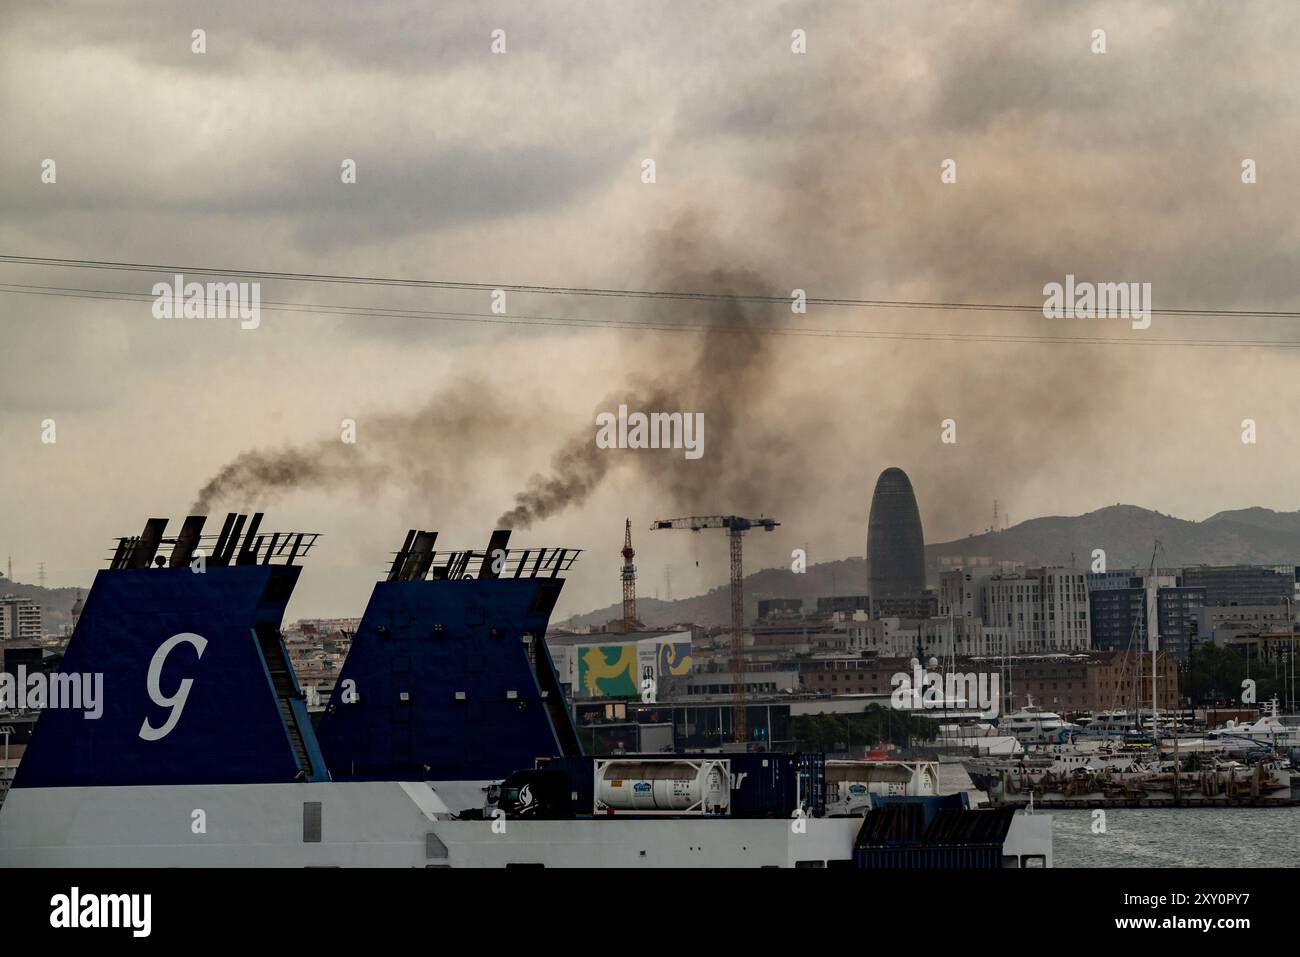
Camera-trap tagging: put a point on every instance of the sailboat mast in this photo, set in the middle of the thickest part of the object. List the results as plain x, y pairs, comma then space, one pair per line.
1137, 685
1153, 637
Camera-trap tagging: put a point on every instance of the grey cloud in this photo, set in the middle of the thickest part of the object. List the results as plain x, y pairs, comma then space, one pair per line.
820, 172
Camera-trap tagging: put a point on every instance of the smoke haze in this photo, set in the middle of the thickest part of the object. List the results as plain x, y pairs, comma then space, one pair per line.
776, 171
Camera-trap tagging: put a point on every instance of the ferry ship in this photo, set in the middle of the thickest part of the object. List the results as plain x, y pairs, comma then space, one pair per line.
448, 742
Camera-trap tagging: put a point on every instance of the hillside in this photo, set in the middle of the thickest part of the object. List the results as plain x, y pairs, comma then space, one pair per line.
1126, 532
56, 603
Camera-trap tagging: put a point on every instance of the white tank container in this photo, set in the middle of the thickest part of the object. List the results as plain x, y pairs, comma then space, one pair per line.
662, 786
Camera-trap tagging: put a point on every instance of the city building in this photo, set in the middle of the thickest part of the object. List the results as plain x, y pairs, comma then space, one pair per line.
845, 604
1014, 610
614, 727
925, 604
1242, 584
1118, 613
317, 648
943, 638
961, 591
1120, 578
895, 544
722, 684
1071, 684
783, 625
1043, 609
1066, 683
1219, 623
20, 619
643, 665
777, 608
962, 586
33, 658
852, 675
1267, 646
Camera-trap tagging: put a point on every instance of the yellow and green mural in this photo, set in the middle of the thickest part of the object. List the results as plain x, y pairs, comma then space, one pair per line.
675, 658
608, 670
618, 671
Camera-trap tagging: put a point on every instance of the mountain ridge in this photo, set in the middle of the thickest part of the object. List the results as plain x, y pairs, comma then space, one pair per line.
1126, 533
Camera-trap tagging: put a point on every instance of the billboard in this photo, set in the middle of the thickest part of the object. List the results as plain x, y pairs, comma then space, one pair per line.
618, 670
608, 670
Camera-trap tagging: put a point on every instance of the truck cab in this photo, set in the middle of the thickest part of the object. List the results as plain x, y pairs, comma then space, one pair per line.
537, 793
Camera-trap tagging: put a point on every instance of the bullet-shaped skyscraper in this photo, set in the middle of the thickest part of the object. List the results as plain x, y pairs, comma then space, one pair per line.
895, 546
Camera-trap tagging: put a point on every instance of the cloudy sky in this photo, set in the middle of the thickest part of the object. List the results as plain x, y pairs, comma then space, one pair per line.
773, 171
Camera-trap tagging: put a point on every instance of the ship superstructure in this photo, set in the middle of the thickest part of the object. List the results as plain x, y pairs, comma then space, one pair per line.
448, 677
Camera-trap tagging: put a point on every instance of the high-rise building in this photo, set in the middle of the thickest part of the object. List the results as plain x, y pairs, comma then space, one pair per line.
961, 591
1043, 609
1240, 584
20, 618
1119, 615
895, 545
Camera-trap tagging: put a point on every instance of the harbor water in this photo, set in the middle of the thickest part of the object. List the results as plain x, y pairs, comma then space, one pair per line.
1163, 837
1178, 837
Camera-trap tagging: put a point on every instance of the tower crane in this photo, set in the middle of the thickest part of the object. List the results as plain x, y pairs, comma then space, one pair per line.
629, 580
736, 527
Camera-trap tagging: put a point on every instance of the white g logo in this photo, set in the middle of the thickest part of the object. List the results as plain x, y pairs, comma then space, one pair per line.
177, 701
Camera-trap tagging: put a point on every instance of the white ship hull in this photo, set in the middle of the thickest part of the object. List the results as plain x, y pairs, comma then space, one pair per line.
396, 824
987, 744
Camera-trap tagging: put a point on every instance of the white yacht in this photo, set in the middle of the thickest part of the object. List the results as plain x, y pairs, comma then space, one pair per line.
1271, 728
1032, 725
981, 736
